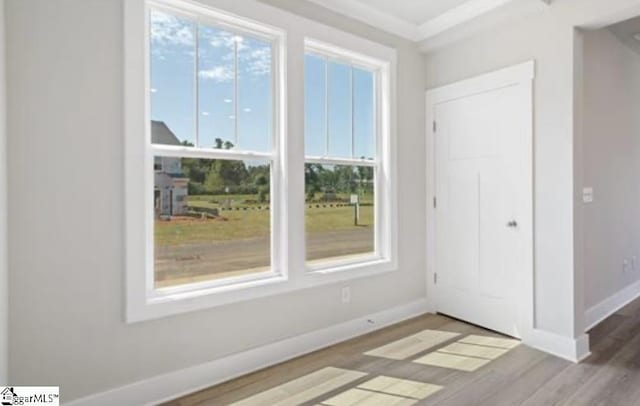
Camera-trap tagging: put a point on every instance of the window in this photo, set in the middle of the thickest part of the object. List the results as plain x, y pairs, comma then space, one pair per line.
343, 166
211, 104
215, 195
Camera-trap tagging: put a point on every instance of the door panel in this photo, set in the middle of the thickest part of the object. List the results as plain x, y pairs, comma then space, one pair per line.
479, 143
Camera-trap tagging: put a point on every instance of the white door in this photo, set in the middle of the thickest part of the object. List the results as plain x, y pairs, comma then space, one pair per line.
481, 143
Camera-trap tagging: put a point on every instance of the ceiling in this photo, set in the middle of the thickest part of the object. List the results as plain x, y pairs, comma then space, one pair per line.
420, 20
414, 11
626, 31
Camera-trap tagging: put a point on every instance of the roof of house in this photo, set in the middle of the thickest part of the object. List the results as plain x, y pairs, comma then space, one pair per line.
161, 134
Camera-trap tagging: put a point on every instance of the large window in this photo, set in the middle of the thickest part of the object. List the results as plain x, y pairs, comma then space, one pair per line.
211, 104
239, 143
342, 163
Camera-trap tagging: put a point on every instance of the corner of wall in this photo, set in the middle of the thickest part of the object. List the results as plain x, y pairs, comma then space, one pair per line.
4, 277
574, 350
578, 182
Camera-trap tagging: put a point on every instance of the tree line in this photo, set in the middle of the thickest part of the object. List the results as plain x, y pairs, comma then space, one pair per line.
220, 176
337, 179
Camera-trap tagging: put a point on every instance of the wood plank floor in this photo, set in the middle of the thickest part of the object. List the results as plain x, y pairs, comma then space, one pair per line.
435, 360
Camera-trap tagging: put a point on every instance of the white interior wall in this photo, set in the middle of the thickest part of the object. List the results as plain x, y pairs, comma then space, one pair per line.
4, 282
548, 37
611, 153
65, 70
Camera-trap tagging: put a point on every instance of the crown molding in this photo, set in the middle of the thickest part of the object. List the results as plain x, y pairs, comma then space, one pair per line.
367, 14
513, 10
458, 16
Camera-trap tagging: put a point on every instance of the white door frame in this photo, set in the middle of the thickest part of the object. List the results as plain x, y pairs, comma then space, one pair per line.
523, 75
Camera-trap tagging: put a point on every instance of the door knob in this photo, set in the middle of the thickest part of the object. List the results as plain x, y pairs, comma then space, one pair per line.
512, 224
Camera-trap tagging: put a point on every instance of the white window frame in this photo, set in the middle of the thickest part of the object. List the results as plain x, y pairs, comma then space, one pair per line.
383, 251
289, 271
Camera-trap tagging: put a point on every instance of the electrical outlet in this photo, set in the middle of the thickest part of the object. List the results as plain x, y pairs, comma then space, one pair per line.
346, 295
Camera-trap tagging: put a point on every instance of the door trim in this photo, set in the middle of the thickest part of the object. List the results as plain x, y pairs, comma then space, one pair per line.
523, 75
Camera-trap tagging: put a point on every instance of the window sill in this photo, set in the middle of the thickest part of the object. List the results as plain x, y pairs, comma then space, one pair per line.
345, 264
193, 291
169, 304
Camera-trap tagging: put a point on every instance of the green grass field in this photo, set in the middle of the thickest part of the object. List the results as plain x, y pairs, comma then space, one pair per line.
246, 224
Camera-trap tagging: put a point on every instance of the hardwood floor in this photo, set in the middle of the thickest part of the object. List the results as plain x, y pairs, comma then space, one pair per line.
435, 360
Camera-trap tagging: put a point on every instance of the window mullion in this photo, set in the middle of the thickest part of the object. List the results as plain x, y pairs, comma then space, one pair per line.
353, 123
196, 82
326, 105
236, 92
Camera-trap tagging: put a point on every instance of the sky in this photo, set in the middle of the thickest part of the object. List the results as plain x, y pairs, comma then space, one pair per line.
174, 82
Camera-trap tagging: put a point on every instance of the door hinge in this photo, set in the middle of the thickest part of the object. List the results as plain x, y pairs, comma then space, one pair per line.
435, 278
435, 202
435, 126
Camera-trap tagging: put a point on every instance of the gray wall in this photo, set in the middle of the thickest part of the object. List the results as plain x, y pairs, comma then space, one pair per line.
65, 67
611, 152
4, 300
548, 38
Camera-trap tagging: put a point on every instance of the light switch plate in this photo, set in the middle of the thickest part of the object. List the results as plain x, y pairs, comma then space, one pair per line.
587, 195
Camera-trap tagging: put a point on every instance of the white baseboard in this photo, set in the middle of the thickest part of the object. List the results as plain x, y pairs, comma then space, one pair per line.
571, 349
596, 314
175, 384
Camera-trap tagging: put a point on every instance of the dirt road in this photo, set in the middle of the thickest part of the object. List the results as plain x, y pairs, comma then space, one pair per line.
197, 262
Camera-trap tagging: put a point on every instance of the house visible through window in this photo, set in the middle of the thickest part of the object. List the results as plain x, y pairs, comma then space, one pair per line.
212, 115
215, 195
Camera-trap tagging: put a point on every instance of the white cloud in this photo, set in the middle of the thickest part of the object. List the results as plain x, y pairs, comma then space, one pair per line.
218, 73
259, 61
224, 39
228, 100
170, 30
154, 90
254, 60
247, 110
205, 113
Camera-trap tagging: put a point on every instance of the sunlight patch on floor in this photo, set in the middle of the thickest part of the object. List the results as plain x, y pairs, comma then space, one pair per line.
451, 361
472, 350
469, 353
466, 354
412, 345
506, 343
305, 388
384, 390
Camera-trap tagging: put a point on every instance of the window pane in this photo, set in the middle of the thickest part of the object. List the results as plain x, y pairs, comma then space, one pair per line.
212, 220
335, 228
172, 78
363, 111
315, 118
255, 95
339, 110
216, 87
